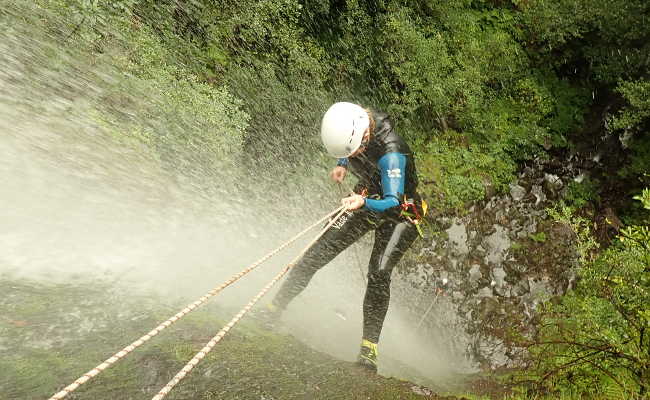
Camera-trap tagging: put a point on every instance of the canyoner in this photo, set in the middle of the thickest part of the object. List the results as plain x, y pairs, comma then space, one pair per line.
384, 200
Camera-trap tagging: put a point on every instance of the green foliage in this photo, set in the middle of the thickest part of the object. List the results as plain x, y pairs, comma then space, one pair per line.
595, 339
469, 77
632, 124
578, 194
600, 46
637, 94
644, 198
586, 244
603, 40
462, 70
460, 173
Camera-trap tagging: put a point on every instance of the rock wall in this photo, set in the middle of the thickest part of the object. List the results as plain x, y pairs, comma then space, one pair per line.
497, 263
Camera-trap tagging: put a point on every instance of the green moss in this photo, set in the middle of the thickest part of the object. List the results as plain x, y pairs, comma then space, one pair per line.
516, 246
41, 355
539, 237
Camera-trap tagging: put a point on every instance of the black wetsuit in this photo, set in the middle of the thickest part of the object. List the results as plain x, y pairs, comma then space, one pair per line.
386, 169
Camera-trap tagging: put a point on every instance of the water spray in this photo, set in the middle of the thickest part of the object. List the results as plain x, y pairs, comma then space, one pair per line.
208, 347
128, 349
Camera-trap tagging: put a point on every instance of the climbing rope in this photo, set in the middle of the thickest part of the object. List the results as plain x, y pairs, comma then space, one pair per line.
119, 355
343, 188
208, 347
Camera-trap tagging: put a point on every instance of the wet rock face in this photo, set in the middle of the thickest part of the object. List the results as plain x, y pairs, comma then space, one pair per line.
501, 260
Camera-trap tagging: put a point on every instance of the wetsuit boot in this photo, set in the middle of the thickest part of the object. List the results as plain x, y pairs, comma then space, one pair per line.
268, 315
367, 357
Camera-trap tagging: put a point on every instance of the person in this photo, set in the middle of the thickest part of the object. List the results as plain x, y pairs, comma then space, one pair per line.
385, 200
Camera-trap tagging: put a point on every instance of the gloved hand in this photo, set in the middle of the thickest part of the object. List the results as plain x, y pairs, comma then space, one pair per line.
353, 202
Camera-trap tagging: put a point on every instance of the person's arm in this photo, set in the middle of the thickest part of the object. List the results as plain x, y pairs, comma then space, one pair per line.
392, 167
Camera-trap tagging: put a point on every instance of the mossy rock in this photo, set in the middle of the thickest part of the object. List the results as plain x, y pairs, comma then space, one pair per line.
249, 363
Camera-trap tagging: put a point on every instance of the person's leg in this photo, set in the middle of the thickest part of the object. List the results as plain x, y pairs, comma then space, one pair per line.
392, 239
333, 242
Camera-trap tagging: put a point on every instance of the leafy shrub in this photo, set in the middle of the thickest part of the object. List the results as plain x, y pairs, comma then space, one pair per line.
595, 339
493, 76
578, 194
631, 124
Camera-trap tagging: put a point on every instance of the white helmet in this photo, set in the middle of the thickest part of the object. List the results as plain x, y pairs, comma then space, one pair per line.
343, 127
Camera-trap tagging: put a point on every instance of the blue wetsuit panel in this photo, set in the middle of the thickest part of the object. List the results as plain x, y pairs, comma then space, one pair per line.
342, 162
392, 168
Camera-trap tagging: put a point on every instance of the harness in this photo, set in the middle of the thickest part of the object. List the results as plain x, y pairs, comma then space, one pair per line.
409, 210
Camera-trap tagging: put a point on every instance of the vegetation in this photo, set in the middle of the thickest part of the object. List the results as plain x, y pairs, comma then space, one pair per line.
475, 86
594, 340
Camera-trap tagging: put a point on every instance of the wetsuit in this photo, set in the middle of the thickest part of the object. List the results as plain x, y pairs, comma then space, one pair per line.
387, 171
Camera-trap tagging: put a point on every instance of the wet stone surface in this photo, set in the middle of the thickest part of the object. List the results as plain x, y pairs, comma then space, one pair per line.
41, 351
500, 261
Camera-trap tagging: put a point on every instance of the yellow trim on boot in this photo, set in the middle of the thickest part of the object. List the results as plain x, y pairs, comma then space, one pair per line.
372, 346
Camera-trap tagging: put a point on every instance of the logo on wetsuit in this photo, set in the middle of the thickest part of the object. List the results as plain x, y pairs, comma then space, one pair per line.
342, 220
394, 173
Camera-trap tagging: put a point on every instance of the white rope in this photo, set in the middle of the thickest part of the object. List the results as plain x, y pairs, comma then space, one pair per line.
119, 355
208, 347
